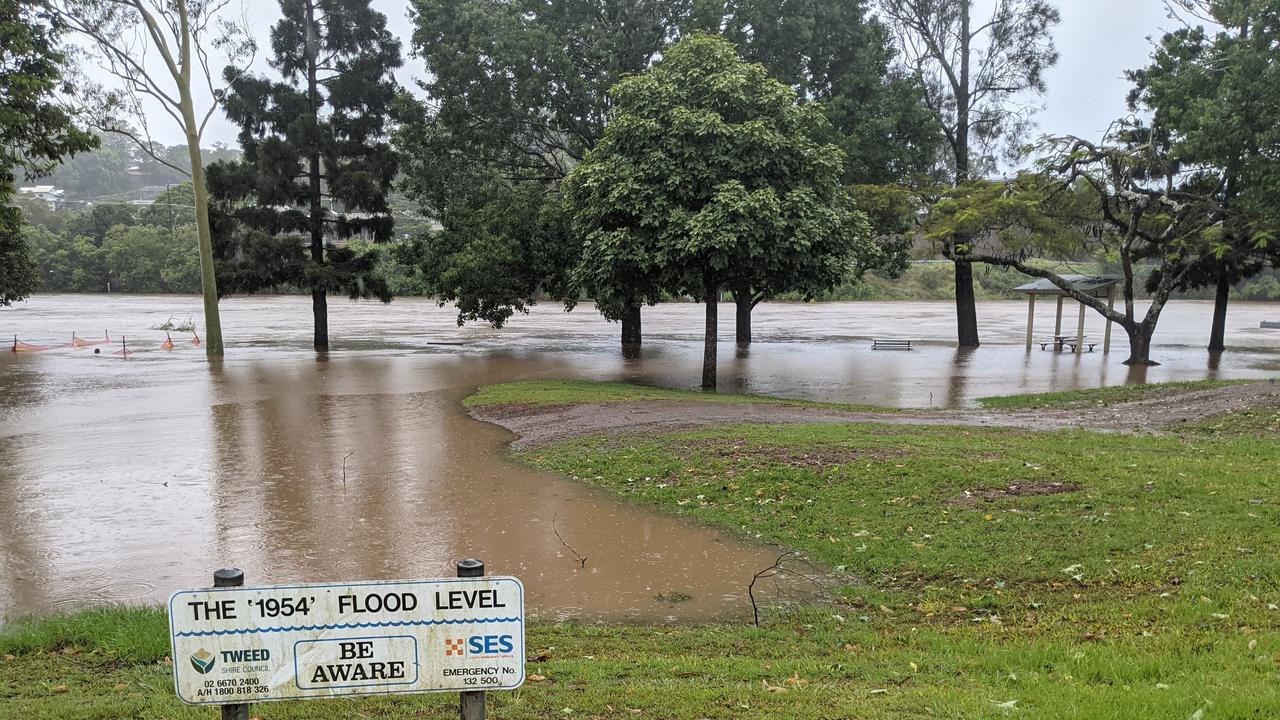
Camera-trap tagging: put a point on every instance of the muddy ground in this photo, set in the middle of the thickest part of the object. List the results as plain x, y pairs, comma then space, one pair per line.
537, 425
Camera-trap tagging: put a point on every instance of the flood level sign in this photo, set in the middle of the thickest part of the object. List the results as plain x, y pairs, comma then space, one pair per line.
288, 642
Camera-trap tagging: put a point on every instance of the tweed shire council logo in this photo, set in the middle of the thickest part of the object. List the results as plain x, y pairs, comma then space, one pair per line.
202, 660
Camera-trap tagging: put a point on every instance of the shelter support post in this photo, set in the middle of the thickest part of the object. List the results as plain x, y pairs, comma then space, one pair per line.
1080, 331
1057, 328
1031, 318
1111, 305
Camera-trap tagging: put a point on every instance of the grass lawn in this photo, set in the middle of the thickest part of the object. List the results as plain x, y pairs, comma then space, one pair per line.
984, 574
1099, 397
566, 392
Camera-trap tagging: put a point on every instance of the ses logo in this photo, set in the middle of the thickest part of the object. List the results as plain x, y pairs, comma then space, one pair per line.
203, 661
478, 646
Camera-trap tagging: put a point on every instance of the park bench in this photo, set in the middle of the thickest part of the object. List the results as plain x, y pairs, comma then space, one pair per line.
878, 344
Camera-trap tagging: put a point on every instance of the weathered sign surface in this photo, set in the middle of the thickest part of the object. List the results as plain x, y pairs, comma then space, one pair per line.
251, 644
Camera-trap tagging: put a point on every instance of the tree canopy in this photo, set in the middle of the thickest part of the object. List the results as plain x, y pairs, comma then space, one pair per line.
518, 93
977, 74
35, 131
314, 139
1216, 91
708, 172
1125, 199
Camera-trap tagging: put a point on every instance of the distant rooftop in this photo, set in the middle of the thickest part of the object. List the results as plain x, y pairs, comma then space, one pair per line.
41, 190
1088, 284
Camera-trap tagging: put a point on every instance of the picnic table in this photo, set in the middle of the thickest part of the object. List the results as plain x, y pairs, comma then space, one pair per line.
1060, 342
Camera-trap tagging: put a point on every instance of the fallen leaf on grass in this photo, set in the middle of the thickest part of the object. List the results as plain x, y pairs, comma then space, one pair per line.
536, 678
58, 688
9, 657
796, 680
772, 688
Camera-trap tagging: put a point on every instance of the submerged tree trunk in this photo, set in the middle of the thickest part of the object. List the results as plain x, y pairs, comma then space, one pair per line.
319, 301
1140, 343
712, 297
1218, 335
966, 307
745, 305
631, 334
213, 346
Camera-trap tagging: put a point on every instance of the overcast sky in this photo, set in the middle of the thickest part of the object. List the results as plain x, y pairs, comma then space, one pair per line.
1098, 40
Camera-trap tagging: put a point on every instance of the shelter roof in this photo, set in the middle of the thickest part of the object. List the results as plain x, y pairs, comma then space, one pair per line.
1087, 284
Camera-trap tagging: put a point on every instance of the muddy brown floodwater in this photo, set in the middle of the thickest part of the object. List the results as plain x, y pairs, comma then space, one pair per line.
123, 480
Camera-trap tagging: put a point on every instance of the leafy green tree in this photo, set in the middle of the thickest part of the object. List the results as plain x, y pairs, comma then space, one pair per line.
143, 259
707, 167
102, 171
1124, 199
516, 97
35, 132
836, 54
38, 212
481, 258
1217, 92
976, 78
839, 57
18, 275
314, 139
67, 263
518, 93
97, 220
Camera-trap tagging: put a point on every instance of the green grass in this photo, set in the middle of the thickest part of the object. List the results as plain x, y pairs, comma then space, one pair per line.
807, 665
1099, 397
1260, 422
1160, 556
568, 392
1150, 590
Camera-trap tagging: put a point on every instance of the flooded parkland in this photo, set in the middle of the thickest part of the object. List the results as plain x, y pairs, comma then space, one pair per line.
124, 480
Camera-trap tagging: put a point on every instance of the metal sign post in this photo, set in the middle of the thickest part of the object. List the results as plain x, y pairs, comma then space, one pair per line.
230, 577
471, 703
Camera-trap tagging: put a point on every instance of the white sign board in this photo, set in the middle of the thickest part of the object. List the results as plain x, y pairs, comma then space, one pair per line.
250, 644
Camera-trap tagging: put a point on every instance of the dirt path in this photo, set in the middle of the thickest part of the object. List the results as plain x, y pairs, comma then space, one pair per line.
537, 425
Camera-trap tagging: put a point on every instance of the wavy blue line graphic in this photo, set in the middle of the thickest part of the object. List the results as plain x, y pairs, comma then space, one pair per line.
347, 626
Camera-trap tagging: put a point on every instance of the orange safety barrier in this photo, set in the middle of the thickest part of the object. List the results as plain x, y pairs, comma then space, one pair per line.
26, 347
